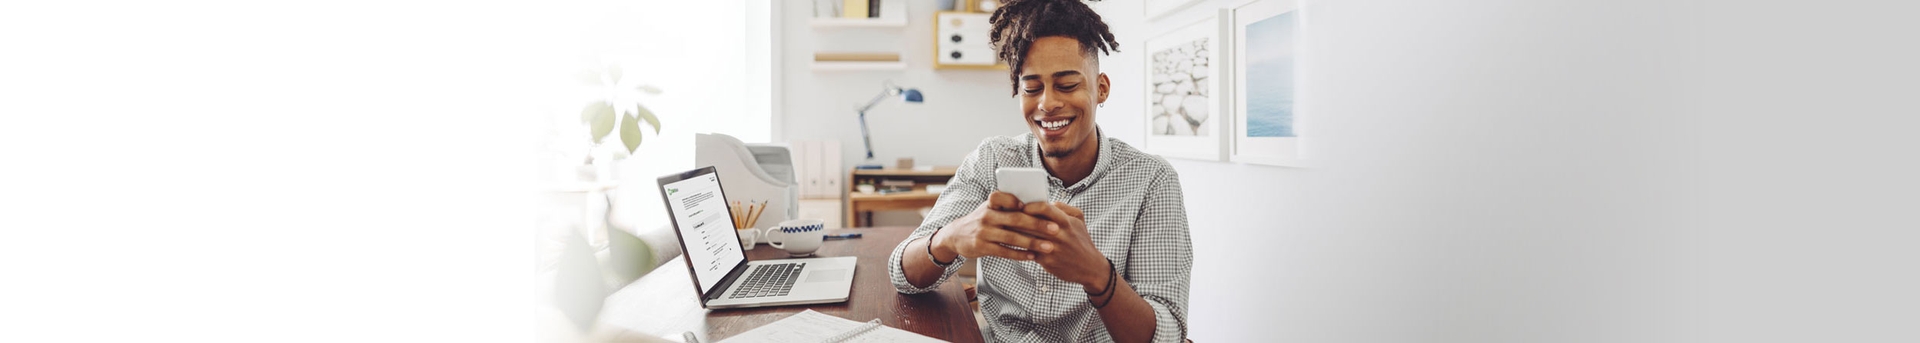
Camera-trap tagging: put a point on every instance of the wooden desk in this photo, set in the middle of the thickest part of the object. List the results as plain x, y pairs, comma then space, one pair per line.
662, 304
860, 206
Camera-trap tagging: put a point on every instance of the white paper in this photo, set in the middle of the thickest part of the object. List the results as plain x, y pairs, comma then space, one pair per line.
812, 327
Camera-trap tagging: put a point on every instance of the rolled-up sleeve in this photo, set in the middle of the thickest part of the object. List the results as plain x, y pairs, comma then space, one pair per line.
971, 184
1161, 264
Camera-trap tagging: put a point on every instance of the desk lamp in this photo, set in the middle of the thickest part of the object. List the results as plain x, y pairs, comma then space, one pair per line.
888, 89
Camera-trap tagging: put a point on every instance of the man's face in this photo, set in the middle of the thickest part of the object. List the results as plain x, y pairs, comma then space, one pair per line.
1059, 90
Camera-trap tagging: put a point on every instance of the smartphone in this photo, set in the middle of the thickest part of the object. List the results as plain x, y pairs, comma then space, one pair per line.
1027, 184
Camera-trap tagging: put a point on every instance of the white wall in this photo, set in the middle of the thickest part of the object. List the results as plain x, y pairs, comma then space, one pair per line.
1490, 171
1506, 170
1499, 171
1808, 221
961, 108
710, 59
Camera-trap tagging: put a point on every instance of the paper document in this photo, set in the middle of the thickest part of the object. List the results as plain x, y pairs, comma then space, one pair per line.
816, 327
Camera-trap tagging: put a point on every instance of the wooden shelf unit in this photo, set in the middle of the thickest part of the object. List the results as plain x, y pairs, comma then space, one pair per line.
860, 206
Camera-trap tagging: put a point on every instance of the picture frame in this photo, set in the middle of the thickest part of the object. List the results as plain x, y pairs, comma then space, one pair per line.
1269, 129
1156, 9
1186, 95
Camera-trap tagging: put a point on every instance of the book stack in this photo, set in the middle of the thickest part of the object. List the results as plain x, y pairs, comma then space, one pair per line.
859, 9
895, 186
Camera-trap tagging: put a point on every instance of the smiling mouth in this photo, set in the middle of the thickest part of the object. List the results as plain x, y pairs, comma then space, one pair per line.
1054, 125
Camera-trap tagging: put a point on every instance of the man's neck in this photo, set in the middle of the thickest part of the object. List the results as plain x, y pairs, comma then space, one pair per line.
1075, 166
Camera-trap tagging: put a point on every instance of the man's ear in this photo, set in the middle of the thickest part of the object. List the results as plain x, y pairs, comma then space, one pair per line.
1105, 87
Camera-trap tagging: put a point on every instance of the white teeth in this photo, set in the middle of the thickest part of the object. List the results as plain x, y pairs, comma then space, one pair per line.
1055, 124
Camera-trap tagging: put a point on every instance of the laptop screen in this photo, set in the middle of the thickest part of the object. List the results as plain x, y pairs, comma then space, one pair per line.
705, 227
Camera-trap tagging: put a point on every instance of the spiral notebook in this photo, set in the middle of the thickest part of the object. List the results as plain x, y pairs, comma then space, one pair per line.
816, 327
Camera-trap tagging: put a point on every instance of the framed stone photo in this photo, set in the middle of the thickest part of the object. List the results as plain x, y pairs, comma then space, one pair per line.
1187, 116
1268, 130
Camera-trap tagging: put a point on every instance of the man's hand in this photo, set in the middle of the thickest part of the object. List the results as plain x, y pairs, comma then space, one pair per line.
990, 230
1053, 234
1066, 248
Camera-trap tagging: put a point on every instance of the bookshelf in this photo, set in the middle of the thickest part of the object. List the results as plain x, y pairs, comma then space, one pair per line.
860, 206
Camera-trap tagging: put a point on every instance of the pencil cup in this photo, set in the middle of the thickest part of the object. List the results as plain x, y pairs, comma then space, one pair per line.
748, 238
799, 237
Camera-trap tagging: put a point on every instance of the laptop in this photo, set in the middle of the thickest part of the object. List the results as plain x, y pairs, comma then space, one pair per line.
722, 276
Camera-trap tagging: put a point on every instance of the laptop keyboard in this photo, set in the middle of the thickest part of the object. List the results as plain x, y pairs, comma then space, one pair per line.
769, 280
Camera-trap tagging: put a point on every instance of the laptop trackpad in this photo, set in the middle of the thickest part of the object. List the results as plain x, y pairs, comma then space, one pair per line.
827, 275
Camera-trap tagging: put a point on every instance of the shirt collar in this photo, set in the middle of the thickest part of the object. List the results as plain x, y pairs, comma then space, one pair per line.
1100, 163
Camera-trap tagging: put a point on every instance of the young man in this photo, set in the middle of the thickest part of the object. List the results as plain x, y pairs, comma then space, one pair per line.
1108, 257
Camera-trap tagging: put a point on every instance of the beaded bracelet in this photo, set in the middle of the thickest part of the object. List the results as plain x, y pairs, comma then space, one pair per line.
1112, 280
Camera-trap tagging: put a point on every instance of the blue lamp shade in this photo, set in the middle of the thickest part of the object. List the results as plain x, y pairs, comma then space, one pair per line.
912, 95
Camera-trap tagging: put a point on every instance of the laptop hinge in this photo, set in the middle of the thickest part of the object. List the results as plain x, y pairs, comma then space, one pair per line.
720, 289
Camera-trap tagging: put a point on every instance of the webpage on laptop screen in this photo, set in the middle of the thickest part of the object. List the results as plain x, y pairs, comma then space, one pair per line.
705, 228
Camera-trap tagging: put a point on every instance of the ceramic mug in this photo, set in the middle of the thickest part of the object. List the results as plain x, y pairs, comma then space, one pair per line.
799, 237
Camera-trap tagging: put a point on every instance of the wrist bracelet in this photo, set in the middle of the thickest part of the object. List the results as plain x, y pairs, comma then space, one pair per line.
936, 260
1112, 280
1113, 275
1109, 281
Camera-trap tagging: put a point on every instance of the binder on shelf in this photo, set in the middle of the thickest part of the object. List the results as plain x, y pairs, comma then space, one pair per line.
817, 168
831, 172
854, 9
802, 160
816, 183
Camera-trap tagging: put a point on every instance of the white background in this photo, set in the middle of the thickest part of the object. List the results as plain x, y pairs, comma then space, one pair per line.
1499, 171
317, 171
1566, 171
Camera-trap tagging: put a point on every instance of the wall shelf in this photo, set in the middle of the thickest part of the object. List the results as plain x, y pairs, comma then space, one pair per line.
827, 23
860, 44
857, 66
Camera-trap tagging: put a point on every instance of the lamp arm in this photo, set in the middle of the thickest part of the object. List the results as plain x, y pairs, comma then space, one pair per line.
864, 137
877, 98
886, 90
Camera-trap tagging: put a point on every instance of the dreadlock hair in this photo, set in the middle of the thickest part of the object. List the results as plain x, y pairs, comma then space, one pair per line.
1017, 23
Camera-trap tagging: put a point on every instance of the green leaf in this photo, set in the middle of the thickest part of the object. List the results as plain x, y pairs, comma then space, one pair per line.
599, 118
648, 116
649, 89
630, 133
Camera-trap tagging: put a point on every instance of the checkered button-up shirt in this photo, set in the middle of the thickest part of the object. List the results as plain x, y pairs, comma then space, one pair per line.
1134, 210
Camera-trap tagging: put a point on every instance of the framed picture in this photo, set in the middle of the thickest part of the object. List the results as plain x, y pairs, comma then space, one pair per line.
1268, 128
1186, 110
1161, 8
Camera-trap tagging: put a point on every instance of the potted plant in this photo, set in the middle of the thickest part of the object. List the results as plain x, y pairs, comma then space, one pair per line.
617, 109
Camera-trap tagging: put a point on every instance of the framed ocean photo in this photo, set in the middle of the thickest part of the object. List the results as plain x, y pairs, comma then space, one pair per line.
1268, 128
